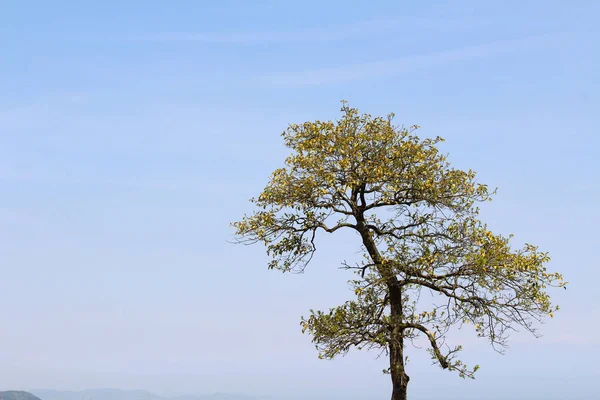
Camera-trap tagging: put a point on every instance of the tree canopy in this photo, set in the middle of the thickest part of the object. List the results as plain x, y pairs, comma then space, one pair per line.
416, 220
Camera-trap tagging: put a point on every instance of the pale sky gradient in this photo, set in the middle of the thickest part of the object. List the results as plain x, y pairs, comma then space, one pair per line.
133, 132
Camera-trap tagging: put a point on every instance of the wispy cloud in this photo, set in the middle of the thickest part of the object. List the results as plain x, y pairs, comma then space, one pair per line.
196, 184
582, 187
336, 33
575, 339
347, 73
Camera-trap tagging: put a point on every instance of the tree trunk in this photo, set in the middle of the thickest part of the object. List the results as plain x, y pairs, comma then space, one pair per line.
396, 346
399, 377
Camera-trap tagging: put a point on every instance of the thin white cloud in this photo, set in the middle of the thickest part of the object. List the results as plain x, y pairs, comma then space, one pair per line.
341, 32
575, 339
197, 184
583, 187
395, 66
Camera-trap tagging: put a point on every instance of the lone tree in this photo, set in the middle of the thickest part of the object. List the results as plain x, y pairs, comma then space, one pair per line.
416, 219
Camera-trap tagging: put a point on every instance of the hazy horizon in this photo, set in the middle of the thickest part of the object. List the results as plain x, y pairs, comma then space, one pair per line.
140, 394
132, 134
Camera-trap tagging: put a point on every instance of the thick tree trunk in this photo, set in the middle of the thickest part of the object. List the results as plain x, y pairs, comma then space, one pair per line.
399, 377
396, 346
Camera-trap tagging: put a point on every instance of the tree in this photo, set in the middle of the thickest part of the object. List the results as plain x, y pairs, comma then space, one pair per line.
416, 219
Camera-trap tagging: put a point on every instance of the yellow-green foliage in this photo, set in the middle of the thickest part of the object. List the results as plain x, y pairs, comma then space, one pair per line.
416, 217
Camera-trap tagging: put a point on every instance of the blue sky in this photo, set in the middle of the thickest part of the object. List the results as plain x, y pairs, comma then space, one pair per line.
132, 133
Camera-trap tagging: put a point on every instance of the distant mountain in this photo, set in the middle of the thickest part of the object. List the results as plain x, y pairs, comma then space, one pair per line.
94, 394
118, 394
17, 395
